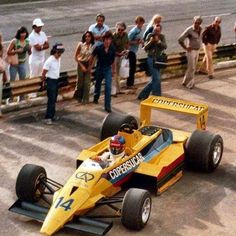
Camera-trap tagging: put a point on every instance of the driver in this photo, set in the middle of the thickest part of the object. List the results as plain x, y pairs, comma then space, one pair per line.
116, 151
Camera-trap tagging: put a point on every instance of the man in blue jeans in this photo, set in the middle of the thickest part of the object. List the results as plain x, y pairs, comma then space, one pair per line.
105, 54
51, 74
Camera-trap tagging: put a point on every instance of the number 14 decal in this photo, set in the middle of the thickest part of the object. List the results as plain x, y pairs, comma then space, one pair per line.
64, 204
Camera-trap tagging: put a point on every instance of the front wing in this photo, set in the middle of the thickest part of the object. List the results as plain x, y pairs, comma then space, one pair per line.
82, 224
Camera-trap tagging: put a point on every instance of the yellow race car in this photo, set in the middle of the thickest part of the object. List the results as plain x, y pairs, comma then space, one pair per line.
152, 152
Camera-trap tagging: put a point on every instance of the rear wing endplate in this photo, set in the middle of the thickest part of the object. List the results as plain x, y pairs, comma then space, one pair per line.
171, 104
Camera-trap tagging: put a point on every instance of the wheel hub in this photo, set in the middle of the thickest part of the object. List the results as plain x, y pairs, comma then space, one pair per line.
217, 153
146, 210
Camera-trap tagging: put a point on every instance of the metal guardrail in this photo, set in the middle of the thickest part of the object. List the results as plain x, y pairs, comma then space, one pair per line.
22, 87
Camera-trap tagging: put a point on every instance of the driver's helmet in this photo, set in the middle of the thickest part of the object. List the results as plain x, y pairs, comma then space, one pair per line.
117, 146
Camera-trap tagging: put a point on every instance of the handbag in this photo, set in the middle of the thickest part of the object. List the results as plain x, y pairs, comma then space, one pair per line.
2, 65
13, 59
124, 67
161, 60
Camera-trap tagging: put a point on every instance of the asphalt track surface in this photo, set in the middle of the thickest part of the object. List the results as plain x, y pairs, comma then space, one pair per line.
199, 204
66, 20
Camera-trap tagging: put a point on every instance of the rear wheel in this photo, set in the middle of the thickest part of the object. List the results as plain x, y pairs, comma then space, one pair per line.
204, 151
29, 186
113, 123
136, 208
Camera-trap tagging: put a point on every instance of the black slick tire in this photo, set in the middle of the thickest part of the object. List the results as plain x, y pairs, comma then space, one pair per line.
28, 184
204, 151
136, 208
113, 122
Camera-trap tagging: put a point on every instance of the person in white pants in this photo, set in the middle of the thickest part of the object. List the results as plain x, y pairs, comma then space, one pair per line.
193, 36
39, 43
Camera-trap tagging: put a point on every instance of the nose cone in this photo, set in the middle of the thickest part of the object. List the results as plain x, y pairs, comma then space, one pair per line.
62, 210
72, 198
55, 220
50, 228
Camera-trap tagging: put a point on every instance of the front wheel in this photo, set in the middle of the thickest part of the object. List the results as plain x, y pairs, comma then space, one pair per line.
29, 186
136, 208
204, 150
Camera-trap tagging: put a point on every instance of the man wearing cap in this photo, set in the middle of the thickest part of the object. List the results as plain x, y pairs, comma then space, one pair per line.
50, 75
193, 36
39, 43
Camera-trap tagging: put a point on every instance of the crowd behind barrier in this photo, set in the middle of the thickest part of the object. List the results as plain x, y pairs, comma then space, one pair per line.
68, 78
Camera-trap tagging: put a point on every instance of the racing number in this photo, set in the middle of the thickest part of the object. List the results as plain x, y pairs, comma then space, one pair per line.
64, 204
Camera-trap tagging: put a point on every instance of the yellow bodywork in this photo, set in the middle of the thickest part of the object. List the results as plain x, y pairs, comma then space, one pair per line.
177, 105
87, 186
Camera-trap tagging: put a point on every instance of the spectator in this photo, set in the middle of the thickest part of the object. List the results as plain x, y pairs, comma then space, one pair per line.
154, 46
3, 77
105, 54
82, 55
50, 74
210, 38
20, 46
99, 29
121, 43
156, 19
39, 43
135, 39
193, 36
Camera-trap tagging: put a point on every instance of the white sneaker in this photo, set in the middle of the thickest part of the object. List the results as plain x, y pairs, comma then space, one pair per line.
48, 121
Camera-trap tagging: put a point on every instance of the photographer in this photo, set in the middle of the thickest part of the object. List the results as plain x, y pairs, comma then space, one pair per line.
154, 46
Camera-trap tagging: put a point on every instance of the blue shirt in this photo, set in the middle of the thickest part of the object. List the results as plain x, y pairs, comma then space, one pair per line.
134, 34
104, 59
98, 31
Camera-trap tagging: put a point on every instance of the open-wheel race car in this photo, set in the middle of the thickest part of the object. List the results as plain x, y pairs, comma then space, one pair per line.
150, 151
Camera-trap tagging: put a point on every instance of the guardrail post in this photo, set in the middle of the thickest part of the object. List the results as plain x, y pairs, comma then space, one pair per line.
7, 91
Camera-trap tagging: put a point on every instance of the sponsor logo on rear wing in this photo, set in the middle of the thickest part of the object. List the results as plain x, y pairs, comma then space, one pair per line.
171, 104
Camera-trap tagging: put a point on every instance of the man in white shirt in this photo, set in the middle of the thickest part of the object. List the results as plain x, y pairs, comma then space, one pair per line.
39, 43
51, 74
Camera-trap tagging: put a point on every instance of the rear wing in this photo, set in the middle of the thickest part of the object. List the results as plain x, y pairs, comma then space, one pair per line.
171, 104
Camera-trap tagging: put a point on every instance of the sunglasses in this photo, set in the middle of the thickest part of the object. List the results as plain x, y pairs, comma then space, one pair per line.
121, 30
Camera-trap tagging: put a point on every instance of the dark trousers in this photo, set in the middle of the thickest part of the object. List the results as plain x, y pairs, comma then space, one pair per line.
100, 73
52, 91
83, 85
132, 68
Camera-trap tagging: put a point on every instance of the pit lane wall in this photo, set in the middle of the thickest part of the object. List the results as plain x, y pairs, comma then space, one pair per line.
176, 66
